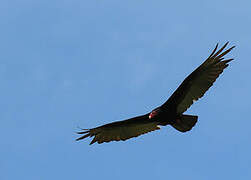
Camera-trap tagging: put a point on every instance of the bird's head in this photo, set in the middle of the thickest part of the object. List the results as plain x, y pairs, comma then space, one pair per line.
154, 113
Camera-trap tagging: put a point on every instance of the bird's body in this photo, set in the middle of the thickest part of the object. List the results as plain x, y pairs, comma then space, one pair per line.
171, 112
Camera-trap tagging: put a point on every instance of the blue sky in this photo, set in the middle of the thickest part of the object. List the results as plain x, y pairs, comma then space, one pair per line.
71, 63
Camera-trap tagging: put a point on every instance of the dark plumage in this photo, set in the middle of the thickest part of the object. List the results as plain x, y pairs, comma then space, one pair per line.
171, 112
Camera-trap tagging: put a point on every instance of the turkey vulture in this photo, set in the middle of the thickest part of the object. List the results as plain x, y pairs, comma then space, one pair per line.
171, 112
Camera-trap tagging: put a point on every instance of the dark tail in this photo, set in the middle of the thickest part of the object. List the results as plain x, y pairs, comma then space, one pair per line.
185, 123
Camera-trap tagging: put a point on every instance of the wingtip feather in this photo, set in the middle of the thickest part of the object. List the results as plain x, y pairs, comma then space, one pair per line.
94, 140
83, 132
82, 137
214, 50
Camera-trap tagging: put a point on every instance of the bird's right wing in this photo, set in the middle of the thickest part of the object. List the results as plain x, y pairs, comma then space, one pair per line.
199, 81
120, 130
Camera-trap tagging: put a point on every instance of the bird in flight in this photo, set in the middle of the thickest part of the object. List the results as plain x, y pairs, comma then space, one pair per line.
171, 112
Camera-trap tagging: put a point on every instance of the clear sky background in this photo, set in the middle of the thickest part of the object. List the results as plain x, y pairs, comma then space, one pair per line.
70, 63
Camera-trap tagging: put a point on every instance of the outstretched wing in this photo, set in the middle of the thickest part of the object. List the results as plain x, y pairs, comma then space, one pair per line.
120, 130
199, 81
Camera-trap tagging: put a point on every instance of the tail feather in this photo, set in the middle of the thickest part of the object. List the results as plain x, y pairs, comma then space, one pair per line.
185, 123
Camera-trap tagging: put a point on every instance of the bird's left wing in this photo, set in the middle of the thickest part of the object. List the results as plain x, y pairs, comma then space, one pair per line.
199, 81
120, 130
